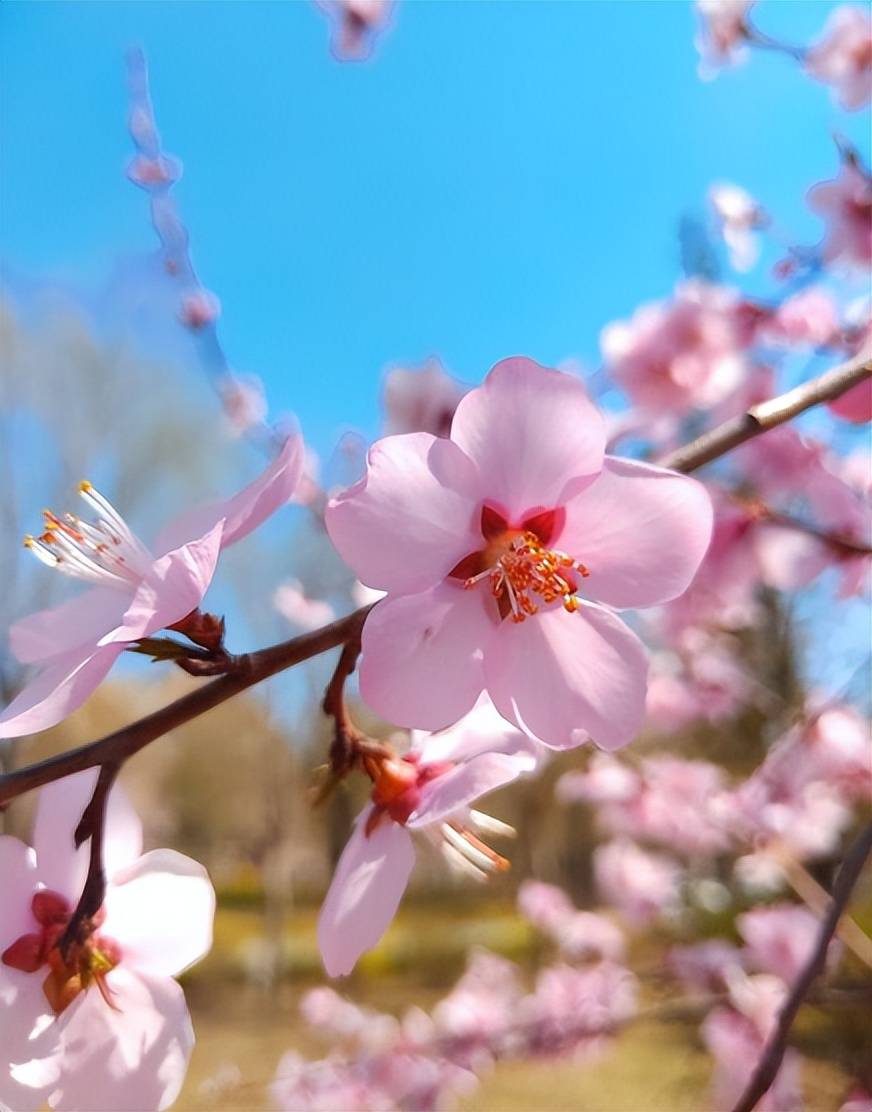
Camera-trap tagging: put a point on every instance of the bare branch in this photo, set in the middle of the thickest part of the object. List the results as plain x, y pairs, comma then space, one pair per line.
769, 414
769, 1064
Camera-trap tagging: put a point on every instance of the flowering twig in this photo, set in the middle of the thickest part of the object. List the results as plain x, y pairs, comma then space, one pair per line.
769, 1064
769, 414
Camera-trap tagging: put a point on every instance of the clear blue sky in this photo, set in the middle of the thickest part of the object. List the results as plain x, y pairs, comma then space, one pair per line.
502, 177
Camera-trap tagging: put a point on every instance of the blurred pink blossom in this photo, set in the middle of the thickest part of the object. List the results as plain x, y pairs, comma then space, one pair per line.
855, 405
807, 319
845, 206
421, 400
722, 33
638, 883
463, 533
740, 216
356, 25
843, 57
133, 593
779, 939
683, 354
580, 935
105, 1027
305, 613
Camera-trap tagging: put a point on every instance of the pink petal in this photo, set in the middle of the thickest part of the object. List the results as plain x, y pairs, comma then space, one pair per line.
18, 879
246, 510
563, 675
128, 1059
175, 586
160, 911
366, 890
855, 405
75, 622
59, 688
60, 865
29, 1043
640, 530
422, 655
465, 783
412, 517
533, 434
483, 730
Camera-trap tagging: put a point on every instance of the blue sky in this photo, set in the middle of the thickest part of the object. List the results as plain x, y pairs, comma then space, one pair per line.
501, 178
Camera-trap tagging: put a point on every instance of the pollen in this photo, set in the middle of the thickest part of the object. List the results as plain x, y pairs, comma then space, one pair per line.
526, 575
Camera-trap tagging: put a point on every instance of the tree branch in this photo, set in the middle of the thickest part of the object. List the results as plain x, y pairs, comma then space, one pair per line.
769, 1064
769, 414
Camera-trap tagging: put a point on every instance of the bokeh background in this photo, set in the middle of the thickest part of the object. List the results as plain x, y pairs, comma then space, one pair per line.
499, 178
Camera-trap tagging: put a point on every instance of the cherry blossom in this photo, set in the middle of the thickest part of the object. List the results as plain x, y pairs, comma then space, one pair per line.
808, 318
845, 205
640, 884
682, 354
134, 591
855, 405
429, 790
578, 934
739, 216
779, 939
356, 25
104, 1027
843, 57
301, 611
421, 400
722, 34
484, 543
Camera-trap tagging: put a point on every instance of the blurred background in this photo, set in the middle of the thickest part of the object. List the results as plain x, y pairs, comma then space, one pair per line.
499, 178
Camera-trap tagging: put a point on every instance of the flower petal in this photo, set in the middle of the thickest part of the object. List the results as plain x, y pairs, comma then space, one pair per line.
18, 877
414, 514
641, 531
483, 730
61, 867
75, 622
130, 1057
562, 676
160, 910
466, 782
175, 586
530, 431
29, 1043
369, 882
59, 688
246, 510
422, 655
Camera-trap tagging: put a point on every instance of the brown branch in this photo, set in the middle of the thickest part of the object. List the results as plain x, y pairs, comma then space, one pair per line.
769, 1064
769, 414
117, 747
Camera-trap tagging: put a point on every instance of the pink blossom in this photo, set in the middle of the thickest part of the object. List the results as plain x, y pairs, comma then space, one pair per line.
855, 405
579, 934
845, 205
843, 57
429, 790
606, 780
421, 400
573, 1009
722, 33
736, 1037
809, 319
705, 966
779, 939
739, 216
858, 1101
508, 519
640, 884
682, 354
356, 26
305, 613
105, 1028
134, 592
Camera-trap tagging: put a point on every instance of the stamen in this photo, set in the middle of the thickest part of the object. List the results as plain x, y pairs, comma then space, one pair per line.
493, 826
472, 848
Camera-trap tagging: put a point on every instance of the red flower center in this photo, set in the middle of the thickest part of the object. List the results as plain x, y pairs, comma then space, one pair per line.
88, 960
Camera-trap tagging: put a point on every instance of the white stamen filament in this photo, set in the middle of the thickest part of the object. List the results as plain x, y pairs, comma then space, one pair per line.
457, 861
472, 854
490, 825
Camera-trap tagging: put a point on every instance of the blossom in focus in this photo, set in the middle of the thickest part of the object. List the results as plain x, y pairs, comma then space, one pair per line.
504, 551
356, 26
640, 884
845, 206
421, 400
739, 216
105, 1028
722, 34
429, 790
843, 57
133, 591
301, 611
683, 354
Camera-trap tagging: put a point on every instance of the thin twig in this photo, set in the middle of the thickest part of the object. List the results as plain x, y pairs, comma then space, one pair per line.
773, 1054
769, 414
